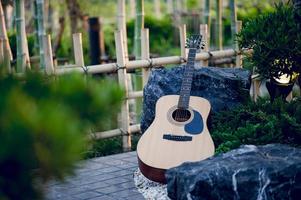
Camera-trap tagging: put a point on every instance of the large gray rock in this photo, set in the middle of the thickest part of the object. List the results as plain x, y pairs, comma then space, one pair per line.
265, 172
223, 87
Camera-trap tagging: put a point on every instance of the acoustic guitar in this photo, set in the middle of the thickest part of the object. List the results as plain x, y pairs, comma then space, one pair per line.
179, 131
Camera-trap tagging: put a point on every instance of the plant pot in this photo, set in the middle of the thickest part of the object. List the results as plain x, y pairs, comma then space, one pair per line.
277, 90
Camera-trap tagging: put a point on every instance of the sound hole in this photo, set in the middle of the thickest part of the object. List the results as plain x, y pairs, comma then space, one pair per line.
181, 115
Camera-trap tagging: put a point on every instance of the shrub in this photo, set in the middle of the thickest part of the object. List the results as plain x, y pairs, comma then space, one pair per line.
275, 40
258, 123
161, 35
43, 126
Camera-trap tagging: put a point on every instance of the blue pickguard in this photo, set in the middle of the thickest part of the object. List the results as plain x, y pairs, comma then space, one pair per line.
196, 126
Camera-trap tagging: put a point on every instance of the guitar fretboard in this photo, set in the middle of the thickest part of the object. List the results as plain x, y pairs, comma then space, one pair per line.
187, 80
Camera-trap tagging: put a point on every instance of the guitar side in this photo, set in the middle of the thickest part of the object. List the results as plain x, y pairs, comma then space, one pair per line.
168, 143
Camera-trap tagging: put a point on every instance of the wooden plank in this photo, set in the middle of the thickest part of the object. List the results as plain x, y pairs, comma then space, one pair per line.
145, 54
49, 68
78, 49
204, 33
124, 122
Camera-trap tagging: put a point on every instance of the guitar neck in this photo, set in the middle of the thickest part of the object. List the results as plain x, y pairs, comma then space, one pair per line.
187, 80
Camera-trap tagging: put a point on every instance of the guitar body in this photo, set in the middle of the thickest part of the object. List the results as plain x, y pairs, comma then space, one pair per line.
168, 143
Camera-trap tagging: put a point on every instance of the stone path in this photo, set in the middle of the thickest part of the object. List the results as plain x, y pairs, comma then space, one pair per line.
103, 178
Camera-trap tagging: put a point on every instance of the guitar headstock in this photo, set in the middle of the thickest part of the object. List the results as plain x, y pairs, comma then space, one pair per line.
195, 42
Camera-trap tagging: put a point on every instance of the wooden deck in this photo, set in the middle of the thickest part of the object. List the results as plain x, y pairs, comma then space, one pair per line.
103, 178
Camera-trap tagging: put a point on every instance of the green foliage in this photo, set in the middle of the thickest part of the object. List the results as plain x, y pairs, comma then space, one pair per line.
44, 123
248, 10
161, 35
13, 43
276, 42
258, 123
110, 146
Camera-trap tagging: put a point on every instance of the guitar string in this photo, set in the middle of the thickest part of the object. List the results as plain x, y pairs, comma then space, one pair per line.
183, 113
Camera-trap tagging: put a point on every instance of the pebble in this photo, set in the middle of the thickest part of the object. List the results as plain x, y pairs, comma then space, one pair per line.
150, 189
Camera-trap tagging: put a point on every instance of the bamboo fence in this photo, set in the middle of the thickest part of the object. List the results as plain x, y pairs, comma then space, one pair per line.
123, 65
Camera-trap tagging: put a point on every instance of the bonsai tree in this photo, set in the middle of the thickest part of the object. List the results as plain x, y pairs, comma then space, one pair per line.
276, 42
44, 124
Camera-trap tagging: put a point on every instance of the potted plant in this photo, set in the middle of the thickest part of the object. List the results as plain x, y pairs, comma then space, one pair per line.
276, 42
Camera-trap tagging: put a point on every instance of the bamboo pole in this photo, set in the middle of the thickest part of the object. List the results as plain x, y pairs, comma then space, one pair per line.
289, 97
207, 19
23, 62
7, 58
49, 66
219, 26
132, 8
204, 33
256, 89
3, 33
182, 29
156, 62
1, 55
41, 30
9, 14
78, 49
183, 5
134, 95
139, 24
36, 28
177, 18
121, 21
238, 57
121, 25
232, 5
122, 79
157, 8
145, 54
169, 5
112, 133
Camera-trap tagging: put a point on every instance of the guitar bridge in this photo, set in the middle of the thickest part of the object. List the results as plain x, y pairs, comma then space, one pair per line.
177, 138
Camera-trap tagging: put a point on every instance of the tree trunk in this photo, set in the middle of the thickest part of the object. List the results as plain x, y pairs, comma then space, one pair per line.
23, 62
40, 31
139, 25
